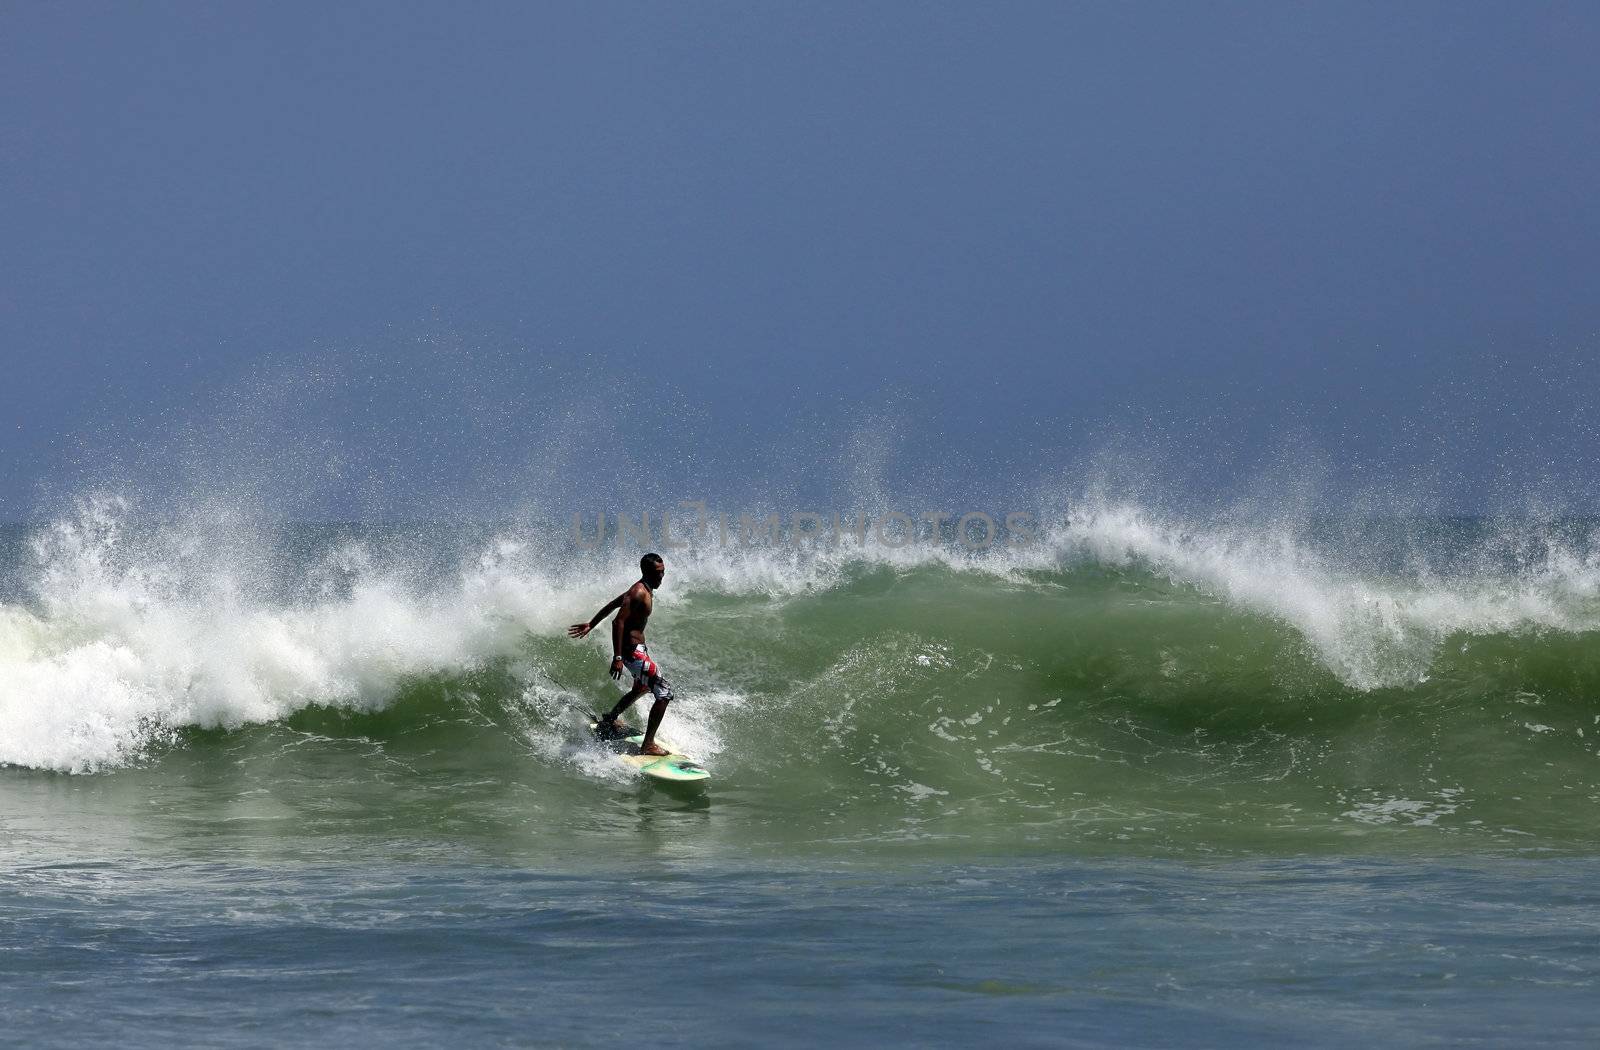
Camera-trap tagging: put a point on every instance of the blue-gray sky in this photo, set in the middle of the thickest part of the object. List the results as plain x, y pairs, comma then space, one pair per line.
1006, 235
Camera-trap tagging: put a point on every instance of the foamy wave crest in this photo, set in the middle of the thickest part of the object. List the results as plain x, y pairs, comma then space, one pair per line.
1370, 629
134, 639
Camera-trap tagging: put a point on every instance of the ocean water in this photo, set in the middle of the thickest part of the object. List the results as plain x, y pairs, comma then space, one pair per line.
1147, 781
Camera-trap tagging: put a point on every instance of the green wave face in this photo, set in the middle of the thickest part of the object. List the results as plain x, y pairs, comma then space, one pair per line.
1153, 699
1095, 710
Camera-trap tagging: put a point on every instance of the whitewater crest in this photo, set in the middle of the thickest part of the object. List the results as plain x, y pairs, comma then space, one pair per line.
133, 635
1372, 629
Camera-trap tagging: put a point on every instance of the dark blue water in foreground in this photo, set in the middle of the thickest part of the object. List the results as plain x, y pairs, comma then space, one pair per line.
1318, 953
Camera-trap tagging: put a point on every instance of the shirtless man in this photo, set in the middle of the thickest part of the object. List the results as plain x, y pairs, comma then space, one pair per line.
629, 653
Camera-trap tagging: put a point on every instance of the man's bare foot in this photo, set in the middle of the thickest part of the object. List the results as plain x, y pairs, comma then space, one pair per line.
653, 748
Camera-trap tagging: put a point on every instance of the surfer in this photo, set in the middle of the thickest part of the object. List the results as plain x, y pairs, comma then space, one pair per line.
628, 652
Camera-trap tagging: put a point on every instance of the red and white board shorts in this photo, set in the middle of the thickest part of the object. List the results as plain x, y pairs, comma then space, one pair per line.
646, 672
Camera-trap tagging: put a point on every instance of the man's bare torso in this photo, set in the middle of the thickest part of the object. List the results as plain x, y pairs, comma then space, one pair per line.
639, 606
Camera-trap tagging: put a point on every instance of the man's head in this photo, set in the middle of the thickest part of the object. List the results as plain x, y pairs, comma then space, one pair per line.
653, 569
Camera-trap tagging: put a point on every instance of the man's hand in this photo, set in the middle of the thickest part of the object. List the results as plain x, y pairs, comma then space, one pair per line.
578, 630
616, 667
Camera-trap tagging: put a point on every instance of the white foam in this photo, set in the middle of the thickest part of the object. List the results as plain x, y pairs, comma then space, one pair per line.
1370, 632
125, 647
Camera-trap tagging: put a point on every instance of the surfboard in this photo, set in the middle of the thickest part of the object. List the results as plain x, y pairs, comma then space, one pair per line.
677, 768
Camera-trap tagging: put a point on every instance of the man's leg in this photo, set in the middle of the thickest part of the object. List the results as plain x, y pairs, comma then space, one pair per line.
610, 720
658, 710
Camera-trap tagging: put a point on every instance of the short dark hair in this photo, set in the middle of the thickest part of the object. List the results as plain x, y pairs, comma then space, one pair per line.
650, 559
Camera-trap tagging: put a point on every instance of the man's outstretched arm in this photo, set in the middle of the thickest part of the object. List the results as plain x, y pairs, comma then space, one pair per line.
579, 630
